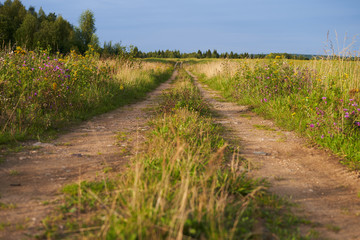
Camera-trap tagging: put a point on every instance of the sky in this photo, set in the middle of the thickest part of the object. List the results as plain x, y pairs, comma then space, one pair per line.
253, 26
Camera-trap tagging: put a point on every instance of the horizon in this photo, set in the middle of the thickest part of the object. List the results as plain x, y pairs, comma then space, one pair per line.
257, 27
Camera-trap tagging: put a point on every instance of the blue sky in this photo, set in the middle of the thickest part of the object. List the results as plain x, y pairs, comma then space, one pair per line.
253, 26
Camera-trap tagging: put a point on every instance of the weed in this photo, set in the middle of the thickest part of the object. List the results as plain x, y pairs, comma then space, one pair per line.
263, 127
244, 115
65, 144
13, 172
107, 169
333, 228
7, 206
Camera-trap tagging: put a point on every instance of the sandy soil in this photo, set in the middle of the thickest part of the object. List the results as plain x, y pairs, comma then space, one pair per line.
31, 179
325, 191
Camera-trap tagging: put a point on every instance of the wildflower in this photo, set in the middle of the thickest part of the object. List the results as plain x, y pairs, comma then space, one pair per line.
265, 100
322, 136
121, 87
312, 125
323, 98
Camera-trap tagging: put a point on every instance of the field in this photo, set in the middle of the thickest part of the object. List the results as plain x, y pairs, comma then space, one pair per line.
318, 98
41, 92
183, 174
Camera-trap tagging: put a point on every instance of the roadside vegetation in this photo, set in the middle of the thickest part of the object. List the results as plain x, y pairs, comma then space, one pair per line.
181, 186
40, 91
318, 98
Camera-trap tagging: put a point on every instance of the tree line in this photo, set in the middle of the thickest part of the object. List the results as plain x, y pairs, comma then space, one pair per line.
30, 29
214, 54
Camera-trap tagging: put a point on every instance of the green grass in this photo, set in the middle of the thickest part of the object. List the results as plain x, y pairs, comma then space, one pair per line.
42, 93
263, 127
319, 99
181, 186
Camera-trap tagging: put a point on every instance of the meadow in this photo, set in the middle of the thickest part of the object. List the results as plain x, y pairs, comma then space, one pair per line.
187, 183
318, 99
41, 92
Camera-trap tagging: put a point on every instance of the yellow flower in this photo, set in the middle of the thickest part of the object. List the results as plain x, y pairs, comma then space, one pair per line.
54, 85
121, 87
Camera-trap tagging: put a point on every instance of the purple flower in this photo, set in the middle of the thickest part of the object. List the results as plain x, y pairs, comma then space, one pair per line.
323, 98
322, 136
312, 125
345, 109
265, 100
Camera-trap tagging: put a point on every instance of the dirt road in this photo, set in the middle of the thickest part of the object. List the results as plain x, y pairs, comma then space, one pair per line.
326, 192
31, 179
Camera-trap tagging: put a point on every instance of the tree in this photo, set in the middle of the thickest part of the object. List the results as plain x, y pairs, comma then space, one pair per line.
199, 54
25, 33
63, 33
95, 43
208, 54
46, 36
215, 54
86, 30
12, 14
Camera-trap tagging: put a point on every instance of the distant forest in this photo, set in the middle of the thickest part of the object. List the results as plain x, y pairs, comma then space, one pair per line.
26, 28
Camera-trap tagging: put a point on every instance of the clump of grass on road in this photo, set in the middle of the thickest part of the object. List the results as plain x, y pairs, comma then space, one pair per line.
180, 186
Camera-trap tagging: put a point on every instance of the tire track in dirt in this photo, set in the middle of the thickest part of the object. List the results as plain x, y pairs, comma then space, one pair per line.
86, 152
326, 192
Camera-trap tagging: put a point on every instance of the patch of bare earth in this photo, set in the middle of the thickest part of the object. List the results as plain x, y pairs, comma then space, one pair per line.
31, 179
326, 192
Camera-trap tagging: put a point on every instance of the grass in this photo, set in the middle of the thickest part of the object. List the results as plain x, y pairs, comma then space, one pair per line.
13, 172
41, 93
263, 127
181, 186
318, 98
